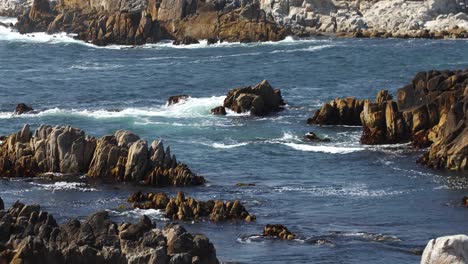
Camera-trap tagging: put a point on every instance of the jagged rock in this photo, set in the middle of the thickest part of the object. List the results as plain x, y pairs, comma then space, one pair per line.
260, 99
339, 112
23, 108
29, 235
122, 157
278, 231
187, 208
448, 249
219, 110
2, 205
177, 98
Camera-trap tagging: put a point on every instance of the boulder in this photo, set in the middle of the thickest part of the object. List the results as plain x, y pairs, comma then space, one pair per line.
259, 100
29, 235
187, 40
177, 99
219, 110
188, 208
339, 112
311, 136
448, 249
23, 108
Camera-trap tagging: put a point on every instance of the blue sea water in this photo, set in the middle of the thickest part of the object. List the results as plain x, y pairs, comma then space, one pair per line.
373, 203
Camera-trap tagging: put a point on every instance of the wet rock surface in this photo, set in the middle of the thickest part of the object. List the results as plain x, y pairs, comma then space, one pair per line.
175, 99
188, 208
30, 235
23, 108
259, 100
119, 157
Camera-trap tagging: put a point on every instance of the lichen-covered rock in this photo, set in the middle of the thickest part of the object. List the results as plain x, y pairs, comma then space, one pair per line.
188, 208
119, 157
259, 100
29, 235
278, 231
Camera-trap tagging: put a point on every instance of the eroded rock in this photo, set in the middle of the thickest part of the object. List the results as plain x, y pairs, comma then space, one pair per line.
278, 231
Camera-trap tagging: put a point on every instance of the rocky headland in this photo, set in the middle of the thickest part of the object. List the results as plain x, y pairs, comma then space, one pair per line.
136, 22
30, 235
119, 157
188, 208
431, 111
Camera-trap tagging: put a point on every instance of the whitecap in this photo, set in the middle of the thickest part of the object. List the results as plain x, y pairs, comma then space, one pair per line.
354, 190
308, 49
228, 146
137, 213
64, 186
323, 148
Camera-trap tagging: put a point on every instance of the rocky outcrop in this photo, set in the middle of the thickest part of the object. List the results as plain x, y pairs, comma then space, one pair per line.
345, 111
431, 111
23, 108
188, 208
119, 157
278, 231
29, 235
259, 100
448, 249
311, 136
138, 22
219, 110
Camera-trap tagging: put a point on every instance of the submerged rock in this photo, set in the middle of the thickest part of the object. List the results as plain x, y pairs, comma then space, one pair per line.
177, 99
311, 136
259, 100
278, 231
119, 157
188, 208
219, 110
23, 108
448, 249
30, 235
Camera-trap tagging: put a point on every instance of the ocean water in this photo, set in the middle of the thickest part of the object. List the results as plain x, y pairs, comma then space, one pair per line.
373, 203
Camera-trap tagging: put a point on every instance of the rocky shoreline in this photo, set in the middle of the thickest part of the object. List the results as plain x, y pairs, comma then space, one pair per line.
137, 22
30, 235
431, 111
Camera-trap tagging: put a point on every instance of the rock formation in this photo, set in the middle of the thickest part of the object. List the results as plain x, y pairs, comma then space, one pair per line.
23, 108
187, 208
138, 22
219, 110
311, 136
119, 157
448, 249
29, 235
260, 100
278, 231
339, 112
431, 111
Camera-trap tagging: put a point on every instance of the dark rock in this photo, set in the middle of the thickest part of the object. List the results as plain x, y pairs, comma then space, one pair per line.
260, 99
22, 108
278, 231
188, 208
187, 40
177, 99
311, 136
2, 205
219, 110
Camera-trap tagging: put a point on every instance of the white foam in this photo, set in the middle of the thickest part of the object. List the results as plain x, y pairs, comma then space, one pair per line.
323, 148
354, 190
8, 20
64, 186
228, 146
138, 213
308, 49
190, 108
